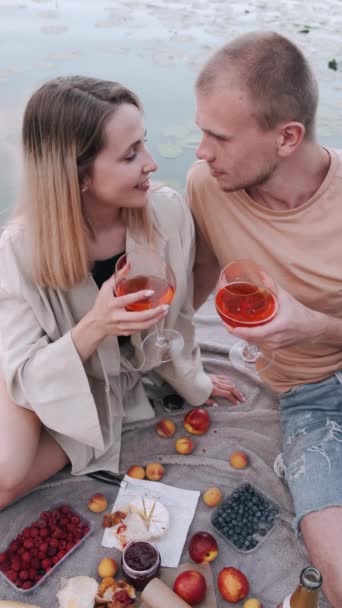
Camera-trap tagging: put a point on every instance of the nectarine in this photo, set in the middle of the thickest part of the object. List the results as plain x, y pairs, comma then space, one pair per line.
154, 471
212, 496
191, 586
232, 584
107, 567
252, 602
166, 427
184, 445
203, 547
97, 503
136, 471
197, 421
238, 460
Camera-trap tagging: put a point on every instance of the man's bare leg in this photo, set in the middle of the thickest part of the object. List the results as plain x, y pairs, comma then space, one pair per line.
322, 533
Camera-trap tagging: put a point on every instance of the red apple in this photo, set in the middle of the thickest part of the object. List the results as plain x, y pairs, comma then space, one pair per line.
197, 421
191, 586
203, 547
232, 584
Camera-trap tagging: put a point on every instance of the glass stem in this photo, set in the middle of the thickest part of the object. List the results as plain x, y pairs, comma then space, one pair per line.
160, 340
250, 353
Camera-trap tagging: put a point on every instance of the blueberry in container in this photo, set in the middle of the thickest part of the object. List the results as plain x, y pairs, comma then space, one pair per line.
42, 545
245, 517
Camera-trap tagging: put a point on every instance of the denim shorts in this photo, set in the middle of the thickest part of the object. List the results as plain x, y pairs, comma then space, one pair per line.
311, 424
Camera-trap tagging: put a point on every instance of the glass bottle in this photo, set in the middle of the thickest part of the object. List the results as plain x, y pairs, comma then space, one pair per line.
306, 594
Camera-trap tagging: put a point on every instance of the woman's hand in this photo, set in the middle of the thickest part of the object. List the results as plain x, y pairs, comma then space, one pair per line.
111, 317
223, 387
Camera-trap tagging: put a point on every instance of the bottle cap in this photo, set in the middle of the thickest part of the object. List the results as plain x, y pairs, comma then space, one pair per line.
311, 578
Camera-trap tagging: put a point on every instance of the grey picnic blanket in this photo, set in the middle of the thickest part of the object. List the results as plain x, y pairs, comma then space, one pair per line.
272, 568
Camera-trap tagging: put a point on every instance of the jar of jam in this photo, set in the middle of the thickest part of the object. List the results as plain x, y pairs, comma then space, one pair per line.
140, 563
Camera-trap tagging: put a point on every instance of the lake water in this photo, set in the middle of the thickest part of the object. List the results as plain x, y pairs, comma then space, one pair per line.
155, 47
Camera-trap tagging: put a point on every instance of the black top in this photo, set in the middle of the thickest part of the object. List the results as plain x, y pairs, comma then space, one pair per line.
102, 271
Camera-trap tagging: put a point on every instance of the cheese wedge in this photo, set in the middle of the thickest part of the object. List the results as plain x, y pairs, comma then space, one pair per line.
147, 519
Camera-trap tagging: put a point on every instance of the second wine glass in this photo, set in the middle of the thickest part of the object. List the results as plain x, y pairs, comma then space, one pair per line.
245, 297
147, 269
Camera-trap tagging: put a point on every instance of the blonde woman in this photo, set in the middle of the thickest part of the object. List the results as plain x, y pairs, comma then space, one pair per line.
64, 336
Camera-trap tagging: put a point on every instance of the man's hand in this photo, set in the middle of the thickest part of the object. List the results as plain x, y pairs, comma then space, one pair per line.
223, 387
292, 324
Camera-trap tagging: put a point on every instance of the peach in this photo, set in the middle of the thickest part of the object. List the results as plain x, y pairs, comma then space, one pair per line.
203, 547
191, 586
252, 602
238, 460
154, 471
212, 496
184, 445
197, 421
136, 471
107, 567
165, 427
97, 503
232, 584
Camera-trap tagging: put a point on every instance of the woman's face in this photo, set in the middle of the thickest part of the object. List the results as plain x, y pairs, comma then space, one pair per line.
120, 173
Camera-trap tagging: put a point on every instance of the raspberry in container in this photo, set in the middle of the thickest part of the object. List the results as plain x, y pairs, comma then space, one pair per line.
42, 545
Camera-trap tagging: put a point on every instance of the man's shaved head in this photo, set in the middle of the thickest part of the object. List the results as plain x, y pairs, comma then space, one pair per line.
273, 72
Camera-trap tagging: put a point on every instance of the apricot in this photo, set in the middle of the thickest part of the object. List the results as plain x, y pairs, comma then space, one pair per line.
203, 547
136, 471
107, 568
154, 471
232, 584
165, 427
184, 445
212, 496
97, 503
238, 460
197, 421
191, 586
252, 602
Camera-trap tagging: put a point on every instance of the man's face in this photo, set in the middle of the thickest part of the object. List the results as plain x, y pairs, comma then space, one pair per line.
239, 153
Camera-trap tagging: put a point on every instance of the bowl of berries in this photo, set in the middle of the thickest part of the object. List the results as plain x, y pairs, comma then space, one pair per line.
42, 545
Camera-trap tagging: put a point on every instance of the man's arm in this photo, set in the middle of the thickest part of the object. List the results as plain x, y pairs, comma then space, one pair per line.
206, 267
206, 274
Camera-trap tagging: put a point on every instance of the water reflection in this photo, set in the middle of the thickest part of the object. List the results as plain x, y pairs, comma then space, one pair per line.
155, 47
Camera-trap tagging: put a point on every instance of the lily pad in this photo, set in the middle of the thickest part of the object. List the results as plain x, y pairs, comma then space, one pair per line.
54, 29
176, 131
169, 150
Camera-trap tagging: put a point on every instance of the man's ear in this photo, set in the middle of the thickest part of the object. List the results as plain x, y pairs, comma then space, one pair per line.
289, 138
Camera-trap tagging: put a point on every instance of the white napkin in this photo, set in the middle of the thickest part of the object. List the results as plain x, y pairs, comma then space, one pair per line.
181, 505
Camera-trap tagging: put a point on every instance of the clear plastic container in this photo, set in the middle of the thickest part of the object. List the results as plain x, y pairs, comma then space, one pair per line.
245, 517
54, 540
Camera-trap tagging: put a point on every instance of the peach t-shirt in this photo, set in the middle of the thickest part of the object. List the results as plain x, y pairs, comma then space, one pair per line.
300, 248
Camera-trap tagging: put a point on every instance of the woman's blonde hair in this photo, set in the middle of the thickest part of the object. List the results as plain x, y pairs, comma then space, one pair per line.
63, 132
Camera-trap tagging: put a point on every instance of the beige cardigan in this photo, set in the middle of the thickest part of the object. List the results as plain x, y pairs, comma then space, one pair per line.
84, 405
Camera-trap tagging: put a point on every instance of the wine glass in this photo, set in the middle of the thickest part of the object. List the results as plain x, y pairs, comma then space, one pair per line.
148, 270
245, 297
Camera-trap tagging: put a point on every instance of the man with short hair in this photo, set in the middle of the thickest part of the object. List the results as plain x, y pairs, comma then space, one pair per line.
265, 189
